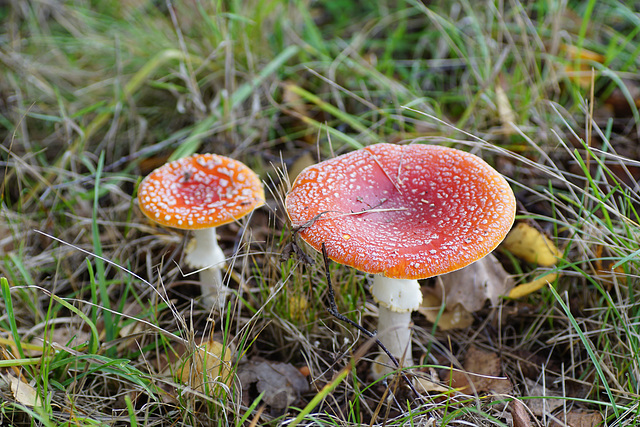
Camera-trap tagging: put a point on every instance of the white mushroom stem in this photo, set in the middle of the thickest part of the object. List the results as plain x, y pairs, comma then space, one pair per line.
396, 299
395, 333
208, 256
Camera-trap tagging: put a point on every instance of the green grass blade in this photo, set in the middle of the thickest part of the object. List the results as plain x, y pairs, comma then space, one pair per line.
6, 295
192, 143
589, 348
20, 362
344, 373
250, 410
94, 343
101, 279
132, 412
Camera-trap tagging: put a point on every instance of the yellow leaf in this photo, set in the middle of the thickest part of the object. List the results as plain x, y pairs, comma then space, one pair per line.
530, 287
301, 163
292, 99
209, 363
529, 244
298, 305
23, 392
454, 318
579, 70
573, 53
505, 112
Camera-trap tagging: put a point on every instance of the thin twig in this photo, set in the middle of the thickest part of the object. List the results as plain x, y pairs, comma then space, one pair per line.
333, 310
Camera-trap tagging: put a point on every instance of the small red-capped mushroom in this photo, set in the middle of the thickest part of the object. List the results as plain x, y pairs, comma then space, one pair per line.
402, 213
200, 193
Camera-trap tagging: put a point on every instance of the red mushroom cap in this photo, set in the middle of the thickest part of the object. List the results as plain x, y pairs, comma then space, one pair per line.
406, 212
200, 191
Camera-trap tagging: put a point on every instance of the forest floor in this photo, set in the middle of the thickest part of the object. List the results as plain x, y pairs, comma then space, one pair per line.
101, 320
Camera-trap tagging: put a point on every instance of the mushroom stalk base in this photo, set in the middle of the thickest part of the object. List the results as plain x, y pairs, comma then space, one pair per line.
394, 333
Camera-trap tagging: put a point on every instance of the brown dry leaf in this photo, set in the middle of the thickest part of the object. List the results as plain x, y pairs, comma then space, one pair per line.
70, 337
519, 413
530, 287
577, 419
529, 244
282, 383
620, 102
131, 309
429, 382
454, 318
64, 335
22, 392
305, 371
482, 374
542, 400
473, 285
209, 363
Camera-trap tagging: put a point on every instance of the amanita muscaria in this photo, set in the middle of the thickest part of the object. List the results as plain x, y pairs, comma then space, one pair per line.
200, 193
402, 213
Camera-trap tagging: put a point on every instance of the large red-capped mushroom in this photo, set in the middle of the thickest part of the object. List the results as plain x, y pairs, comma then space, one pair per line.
200, 193
402, 213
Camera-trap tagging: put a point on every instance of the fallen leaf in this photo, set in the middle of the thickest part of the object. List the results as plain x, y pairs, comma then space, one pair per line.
577, 419
301, 163
482, 373
482, 362
530, 287
282, 383
573, 53
23, 393
519, 413
579, 67
429, 382
473, 285
299, 107
529, 244
542, 400
66, 335
298, 305
131, 327
292, 99
148, 164
454, 318
505, 112
621, 102
208, 364
604, 268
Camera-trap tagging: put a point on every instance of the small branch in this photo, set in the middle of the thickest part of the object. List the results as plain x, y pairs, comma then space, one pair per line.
333, 310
